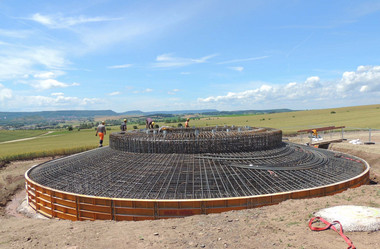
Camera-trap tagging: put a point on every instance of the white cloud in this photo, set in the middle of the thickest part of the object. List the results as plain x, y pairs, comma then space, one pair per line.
167, 61
5, 93
18, 61
57, 94
45, 20
173, 92
148, 90
50, 58
246, 59
312, 81
120, 66
15, 33
60, 100
239, 69
50, 83
114, 93
44, 75
57, 101
366, 80
59, 21
135, 22
364, 89
48, 75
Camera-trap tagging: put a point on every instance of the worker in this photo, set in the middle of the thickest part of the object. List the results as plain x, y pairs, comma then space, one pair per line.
187, 123
149, 123
315, 133
123, 126
101, 130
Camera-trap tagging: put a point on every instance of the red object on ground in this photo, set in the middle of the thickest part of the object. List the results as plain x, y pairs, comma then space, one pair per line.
331, 225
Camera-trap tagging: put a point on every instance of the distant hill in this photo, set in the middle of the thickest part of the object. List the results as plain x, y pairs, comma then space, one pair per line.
75, 114
69, 114
242, 112
42, 118
132, 113
180, 112
205, 112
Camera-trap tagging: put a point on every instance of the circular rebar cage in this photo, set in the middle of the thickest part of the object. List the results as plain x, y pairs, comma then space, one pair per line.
176, 173
197, 140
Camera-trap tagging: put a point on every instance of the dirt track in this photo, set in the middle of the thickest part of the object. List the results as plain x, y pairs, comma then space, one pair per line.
278, 226
24, 139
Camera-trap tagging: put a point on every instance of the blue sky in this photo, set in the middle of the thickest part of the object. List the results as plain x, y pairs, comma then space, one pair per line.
178, 55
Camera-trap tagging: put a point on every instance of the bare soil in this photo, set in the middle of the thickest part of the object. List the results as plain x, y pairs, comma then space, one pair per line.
280, 226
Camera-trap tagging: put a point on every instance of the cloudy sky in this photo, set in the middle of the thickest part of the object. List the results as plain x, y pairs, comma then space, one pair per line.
178, 55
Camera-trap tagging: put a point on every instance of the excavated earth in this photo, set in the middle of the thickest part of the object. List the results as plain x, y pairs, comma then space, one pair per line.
280, 226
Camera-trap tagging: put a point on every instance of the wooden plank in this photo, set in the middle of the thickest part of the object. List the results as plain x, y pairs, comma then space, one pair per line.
95, 208
66, 216
327, 142
134, 211
322, 128
226, 209
66, 203
64, 209
178, 212
64, 196
95, 215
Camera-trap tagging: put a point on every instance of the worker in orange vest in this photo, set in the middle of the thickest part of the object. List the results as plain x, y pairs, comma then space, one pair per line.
101, 130
315, 133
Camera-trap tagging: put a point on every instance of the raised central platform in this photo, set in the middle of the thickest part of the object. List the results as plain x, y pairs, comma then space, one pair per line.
197, 140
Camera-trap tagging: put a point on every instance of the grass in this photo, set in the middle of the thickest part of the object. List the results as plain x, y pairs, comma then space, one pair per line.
45, 153
290, 122
6, 135
60, 143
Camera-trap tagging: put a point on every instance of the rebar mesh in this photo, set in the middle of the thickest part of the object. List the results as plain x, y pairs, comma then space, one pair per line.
115, 173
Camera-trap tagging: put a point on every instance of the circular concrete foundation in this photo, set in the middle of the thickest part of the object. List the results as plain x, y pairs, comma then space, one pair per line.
181, 172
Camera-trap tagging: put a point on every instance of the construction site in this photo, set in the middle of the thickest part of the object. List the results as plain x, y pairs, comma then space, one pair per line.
177, 172
283, 225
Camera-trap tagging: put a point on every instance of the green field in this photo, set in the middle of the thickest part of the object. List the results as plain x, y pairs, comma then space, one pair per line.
291, 122
18, 134
56, 143
67, 142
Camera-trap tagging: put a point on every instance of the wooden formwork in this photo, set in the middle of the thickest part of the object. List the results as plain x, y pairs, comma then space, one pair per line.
70, 206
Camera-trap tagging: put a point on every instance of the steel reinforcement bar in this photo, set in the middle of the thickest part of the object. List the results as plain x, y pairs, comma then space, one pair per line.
197, 140
59, 204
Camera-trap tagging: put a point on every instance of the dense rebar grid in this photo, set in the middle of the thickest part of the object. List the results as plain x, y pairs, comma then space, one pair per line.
118, 174
197, 140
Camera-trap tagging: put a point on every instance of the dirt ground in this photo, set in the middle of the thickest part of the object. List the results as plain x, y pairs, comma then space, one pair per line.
280, 226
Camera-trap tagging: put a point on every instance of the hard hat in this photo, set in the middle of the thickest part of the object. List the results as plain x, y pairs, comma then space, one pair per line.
103, 122
152, 123
125, 120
